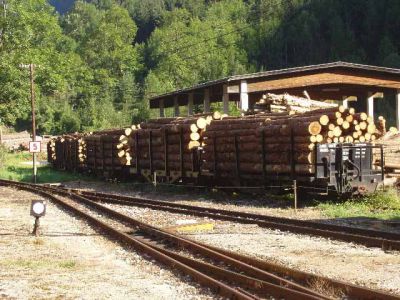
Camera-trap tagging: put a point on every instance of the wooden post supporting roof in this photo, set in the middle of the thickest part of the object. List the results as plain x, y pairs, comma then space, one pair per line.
176, 106
244, 96
347, 99
190, 104
225, 99
161, 106
345, 102
370, 104
206, 100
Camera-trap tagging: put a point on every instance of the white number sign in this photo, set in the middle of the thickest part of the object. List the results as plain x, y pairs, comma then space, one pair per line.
34, 147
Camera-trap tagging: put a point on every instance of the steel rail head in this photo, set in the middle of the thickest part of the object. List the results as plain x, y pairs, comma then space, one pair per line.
366, 238
307, 223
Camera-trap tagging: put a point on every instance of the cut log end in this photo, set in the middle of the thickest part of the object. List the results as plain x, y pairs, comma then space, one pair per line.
314, 128
201, 123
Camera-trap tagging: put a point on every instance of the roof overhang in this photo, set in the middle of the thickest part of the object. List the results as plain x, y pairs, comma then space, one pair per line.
338, 75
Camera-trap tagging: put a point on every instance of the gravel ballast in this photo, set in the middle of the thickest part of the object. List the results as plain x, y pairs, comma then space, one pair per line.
370, 267
72, 261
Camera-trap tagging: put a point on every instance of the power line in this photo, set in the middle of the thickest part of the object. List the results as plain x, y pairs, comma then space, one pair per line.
294, 14
188, 59
186, 46
171, 42
250, 14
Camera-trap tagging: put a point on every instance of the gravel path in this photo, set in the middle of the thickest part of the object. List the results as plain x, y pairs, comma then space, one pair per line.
71, 261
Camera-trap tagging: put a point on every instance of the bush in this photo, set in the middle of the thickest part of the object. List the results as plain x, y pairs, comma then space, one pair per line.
388, 199
69, 123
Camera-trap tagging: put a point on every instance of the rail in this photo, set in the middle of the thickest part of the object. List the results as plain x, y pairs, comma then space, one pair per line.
228, 274
367, 237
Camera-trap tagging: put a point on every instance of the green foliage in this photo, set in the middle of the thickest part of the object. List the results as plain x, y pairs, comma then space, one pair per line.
382, 205
388, 199
186, 50
101, 61
3, 152
18, 166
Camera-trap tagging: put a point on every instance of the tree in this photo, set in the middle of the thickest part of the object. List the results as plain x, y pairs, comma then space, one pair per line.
105, 43
30, 33
185, 49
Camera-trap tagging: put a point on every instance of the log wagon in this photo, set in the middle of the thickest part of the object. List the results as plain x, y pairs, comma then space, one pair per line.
326, 149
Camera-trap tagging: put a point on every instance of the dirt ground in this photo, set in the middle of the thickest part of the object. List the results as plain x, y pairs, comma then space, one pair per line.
71, 261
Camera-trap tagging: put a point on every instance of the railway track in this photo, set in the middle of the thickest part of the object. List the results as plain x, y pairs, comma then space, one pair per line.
367, 237
228, 274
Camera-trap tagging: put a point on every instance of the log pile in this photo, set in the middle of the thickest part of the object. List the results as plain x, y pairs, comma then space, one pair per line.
273, 143
280, 103
161, 143
51, 151
391, 149
123, 146
235, 146
63, 152
100, 151
82, 150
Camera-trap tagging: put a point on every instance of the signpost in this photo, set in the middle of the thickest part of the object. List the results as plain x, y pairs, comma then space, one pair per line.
31, 68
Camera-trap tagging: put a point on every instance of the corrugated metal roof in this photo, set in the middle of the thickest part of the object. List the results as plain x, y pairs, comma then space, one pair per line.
338, 64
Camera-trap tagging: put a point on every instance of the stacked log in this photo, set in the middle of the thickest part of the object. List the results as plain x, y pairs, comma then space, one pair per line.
167, 143
224, 137
82, 150
64, 151
279, 103
391, 150
101, 151
235, 146
51, 150
123, 146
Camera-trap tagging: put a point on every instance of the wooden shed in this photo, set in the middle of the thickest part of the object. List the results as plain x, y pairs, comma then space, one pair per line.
352, 84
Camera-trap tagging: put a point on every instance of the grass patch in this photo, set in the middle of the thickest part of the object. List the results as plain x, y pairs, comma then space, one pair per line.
380, 205
67, 264
15, 167
38, 264
38, 242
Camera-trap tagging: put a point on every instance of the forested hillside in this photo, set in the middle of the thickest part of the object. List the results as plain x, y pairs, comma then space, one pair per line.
99, 61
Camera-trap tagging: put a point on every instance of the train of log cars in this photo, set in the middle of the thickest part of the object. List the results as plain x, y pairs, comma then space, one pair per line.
324, 149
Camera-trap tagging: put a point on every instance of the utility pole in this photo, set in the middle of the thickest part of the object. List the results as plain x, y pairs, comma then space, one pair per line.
1, 133
31, 68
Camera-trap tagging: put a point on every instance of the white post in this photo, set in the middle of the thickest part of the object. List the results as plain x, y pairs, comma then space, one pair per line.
244, 96
398, 109
370, 104
345, 102
207, 101
161, 105
225, 99
176, 106
190, 104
